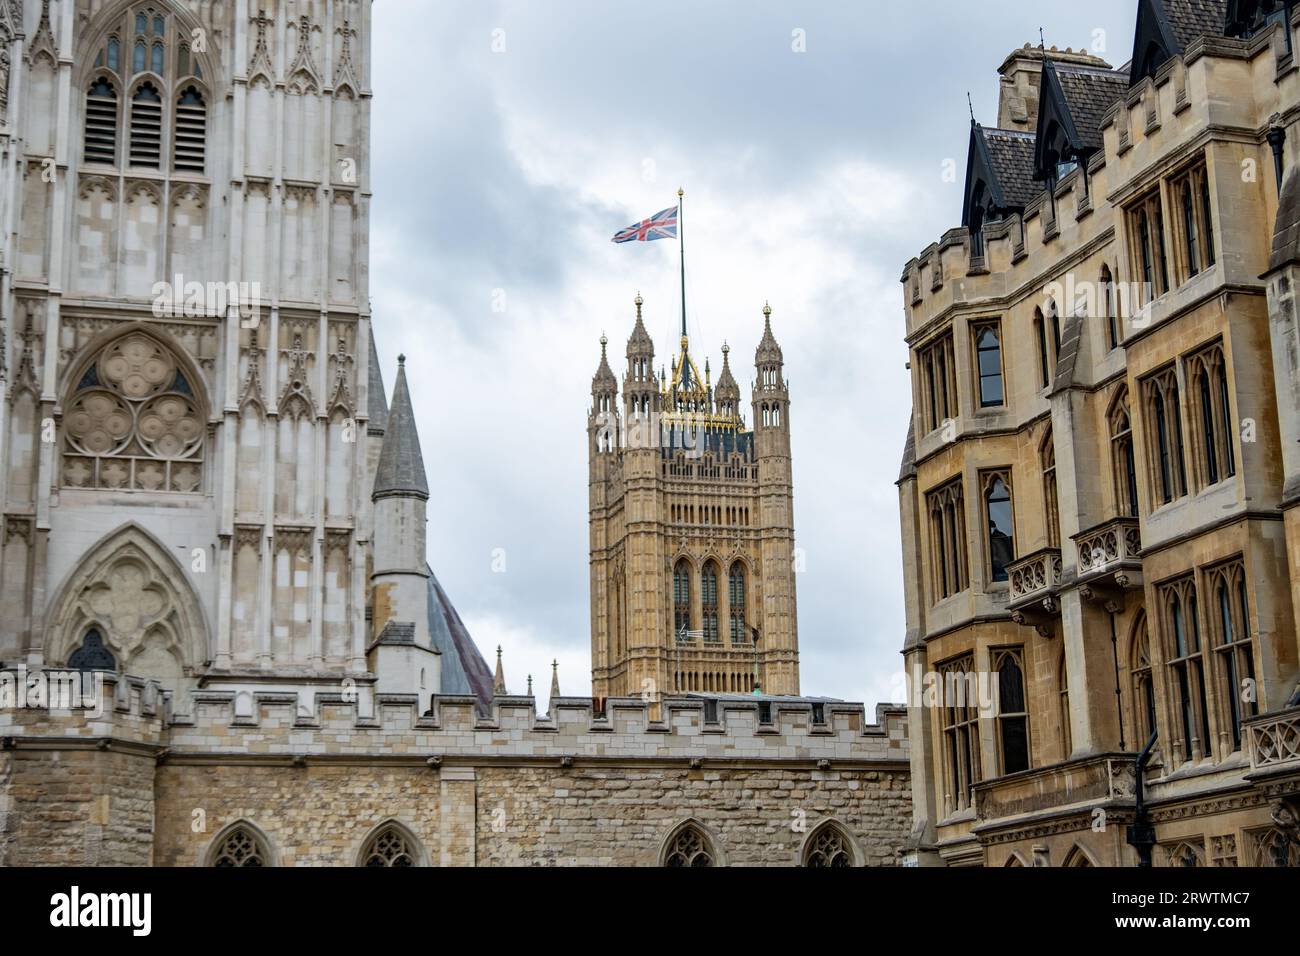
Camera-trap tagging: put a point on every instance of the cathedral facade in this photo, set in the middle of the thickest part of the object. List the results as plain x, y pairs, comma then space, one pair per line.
220, 641
1099, 493
693, 559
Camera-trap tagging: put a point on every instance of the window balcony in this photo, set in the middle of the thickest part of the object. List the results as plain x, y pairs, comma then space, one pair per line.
1035, 580
1110, 560
1275, 742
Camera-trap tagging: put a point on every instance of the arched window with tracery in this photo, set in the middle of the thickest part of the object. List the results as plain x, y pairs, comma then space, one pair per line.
1187, 664
1013, 711
393, 846
828, 846
1122, 463
736, 602
709, 601
165, 95
682, 599
240, 845
689, 846
1051, 509
1000, 520
92, 655
1234, 650
1144, 692
134, 422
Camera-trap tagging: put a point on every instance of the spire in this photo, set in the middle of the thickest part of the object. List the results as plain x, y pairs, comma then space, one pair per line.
727, 387
401, 464
769, 352
604, 380
530, 685
555, 682
640, 342
499, 682
377, 406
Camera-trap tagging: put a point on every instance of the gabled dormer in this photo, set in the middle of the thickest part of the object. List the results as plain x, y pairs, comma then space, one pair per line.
1166, 28
1073, 101
999, 179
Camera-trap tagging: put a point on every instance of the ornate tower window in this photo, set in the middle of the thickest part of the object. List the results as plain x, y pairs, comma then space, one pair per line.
736, 603
133, 422
709, 602
390, 846
1211, 419
689, 846
682, 599
949, 569
165, 96
1051, 509
241, 845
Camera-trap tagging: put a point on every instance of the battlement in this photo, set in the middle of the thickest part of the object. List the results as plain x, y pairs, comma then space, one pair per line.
138, 713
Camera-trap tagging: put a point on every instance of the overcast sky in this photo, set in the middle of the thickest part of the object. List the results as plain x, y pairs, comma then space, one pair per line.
511, 140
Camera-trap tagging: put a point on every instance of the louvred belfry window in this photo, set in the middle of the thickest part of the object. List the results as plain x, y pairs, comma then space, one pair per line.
144, 61
101, 123
146, 127
191, 130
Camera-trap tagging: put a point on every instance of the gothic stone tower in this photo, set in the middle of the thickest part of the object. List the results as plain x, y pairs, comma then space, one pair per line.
692, 528
188, 467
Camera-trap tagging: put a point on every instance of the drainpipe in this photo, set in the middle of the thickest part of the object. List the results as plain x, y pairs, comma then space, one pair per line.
1276, 138
1114, 656
1142, 835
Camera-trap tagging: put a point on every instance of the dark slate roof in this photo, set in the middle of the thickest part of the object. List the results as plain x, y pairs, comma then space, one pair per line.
463, 669
1192, 19
378, 404
1089, 92
401, 463
396, 632
1011, 153
1286, 231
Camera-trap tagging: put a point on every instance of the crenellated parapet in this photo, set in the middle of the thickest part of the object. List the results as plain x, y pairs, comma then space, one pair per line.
218, 725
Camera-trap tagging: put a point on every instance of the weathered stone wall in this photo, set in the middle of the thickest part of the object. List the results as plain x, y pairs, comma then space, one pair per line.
133, 785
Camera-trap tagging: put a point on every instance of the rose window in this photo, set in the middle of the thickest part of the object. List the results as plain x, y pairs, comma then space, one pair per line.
133, 423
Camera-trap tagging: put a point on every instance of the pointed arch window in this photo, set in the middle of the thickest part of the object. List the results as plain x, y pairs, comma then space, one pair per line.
1168, 462
1045, 356
950, 570
161, 97
1122, 462
1147, 237
1013, 711
988, 361
828, 847
92, 655
1215, 457
1000, 519
1143, 688
391, 846
1187, 666
682, 600
1234, 650
709, 602
101, 122
191, 131
960, 727
240, 846
133, 422
1063, 710
146, 127
689, 847
1110, 306
1051, 508
736, 602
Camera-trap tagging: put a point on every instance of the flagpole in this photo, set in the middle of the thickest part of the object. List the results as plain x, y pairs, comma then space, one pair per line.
681, 243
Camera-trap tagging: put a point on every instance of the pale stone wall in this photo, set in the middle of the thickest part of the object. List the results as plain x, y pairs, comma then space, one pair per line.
572, 788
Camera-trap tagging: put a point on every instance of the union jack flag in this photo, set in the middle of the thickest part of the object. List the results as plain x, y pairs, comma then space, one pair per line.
662, 225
